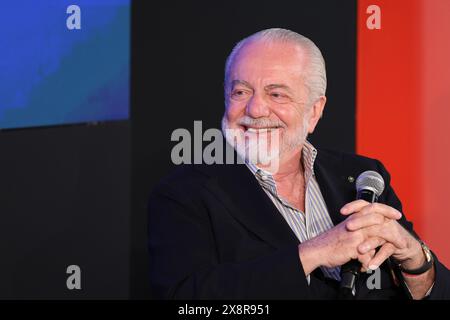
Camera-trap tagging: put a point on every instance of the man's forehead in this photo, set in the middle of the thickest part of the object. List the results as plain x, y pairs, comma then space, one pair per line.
269, 77
268, 86
267, 60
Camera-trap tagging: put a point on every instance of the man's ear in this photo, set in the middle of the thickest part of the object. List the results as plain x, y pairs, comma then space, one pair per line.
316, 113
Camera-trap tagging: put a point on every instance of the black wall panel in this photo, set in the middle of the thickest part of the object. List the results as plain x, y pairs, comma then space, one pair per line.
65, 200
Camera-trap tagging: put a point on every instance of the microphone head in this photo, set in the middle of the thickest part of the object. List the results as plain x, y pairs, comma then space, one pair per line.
370, 180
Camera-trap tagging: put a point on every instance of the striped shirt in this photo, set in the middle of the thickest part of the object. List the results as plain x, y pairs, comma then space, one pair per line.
315, 220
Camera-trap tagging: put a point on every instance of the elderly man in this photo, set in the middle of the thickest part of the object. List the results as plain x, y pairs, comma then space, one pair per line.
255, 230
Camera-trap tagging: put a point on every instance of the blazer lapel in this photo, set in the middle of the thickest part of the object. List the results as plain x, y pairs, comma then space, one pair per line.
334, 184
239, 190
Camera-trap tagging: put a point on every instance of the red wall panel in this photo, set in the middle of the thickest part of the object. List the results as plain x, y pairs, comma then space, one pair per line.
403, 76
435, 87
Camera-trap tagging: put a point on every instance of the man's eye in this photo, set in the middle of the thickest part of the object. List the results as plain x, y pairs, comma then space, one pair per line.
279, 97
239, 94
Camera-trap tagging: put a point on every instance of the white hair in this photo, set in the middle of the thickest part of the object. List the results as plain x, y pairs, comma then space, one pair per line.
315, 77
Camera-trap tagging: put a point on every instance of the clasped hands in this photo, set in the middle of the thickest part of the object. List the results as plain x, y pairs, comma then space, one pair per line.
367, 227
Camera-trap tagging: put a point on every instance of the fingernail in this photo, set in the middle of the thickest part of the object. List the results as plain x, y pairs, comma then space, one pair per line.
373, 267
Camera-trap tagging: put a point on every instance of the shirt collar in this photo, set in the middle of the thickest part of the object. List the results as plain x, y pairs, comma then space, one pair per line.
265, 178
309, 154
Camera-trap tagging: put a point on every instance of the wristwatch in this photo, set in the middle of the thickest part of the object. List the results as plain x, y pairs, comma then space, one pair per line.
427, 265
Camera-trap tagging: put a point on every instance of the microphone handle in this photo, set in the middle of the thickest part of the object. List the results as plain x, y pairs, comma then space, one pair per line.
350, 270
368, 195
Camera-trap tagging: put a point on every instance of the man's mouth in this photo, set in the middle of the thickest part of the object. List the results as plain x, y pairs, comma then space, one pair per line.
259, 129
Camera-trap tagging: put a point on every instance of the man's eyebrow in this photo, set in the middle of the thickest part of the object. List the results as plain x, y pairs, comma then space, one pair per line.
266, 88
278, 86
241, 82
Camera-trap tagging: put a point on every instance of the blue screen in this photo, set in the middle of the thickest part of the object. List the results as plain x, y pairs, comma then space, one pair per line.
63, 64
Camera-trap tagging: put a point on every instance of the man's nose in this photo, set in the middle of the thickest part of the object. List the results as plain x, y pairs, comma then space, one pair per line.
257, 107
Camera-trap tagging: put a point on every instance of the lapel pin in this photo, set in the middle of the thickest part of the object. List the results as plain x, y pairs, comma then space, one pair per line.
350, 179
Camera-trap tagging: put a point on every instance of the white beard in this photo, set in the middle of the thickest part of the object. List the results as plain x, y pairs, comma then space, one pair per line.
263, 147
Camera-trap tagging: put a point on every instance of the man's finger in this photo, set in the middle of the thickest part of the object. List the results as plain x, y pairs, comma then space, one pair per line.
357, 221
362, 207
385, 252
365, 259
353, 206
391, 232
382, 209
370, 244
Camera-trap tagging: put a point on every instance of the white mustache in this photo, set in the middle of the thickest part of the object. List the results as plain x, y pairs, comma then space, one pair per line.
260, 123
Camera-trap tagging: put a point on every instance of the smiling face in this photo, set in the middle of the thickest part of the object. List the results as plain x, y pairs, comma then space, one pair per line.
266, 99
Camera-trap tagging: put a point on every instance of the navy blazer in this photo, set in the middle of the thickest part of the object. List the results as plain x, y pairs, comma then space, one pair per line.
215, 234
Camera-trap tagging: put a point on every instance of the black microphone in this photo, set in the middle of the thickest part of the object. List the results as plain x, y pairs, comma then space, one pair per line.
369, 186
